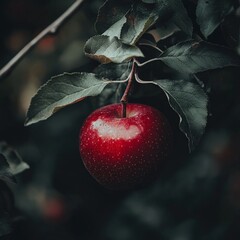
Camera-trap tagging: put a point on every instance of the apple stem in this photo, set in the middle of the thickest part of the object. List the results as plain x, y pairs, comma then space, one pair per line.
124, 109
124, 99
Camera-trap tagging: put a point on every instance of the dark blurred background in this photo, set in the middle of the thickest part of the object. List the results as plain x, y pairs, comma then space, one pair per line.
196, 197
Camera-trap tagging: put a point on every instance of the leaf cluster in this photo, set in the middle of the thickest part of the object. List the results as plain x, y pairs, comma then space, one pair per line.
122, 28
11, 164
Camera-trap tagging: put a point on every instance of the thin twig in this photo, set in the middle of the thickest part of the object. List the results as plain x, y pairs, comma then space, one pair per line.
51, 29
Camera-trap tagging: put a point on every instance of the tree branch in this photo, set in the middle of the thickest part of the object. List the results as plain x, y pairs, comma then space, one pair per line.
51, 29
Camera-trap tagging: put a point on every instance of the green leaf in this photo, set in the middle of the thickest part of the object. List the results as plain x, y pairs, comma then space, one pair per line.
16, 164
189, 101
61, 91
173, 12
139, 19
167, 29
110, 13
107, 49
115, 71
133, 24
210, 13
5, 171
192, 57
116, 28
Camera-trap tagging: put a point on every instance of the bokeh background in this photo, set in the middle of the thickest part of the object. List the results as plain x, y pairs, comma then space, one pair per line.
196, 197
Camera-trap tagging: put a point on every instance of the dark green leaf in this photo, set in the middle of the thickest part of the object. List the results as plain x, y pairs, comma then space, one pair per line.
116, 28
17, 165
173, 12
167, 29
5, 171
111, 12
61, 91
148, 38
148, 90
107, 49
189, 101
192, 57
210, 13
172, 39
114, 71
139, 19
131, 26
111, 94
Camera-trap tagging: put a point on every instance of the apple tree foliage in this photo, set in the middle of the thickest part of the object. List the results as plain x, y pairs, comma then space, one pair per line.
123, 29
11, 164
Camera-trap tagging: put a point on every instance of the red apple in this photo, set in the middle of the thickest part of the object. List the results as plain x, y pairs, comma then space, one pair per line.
122, 153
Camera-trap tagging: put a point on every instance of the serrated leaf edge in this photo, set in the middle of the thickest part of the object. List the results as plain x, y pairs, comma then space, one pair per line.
31, 120
190, 142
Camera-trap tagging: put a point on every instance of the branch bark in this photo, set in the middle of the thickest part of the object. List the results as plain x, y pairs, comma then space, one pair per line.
51, 29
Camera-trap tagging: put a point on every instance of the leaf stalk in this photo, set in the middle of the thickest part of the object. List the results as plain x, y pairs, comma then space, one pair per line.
124, 99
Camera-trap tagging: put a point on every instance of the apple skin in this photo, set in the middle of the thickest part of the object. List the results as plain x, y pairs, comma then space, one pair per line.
122, 153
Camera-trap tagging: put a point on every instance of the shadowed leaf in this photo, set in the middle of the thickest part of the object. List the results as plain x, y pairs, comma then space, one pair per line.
173, 12
114, 71
116, 28
210, 13
16, 164
138, 20
5, 171
107, 49
192, 57
111, 12
189, 101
